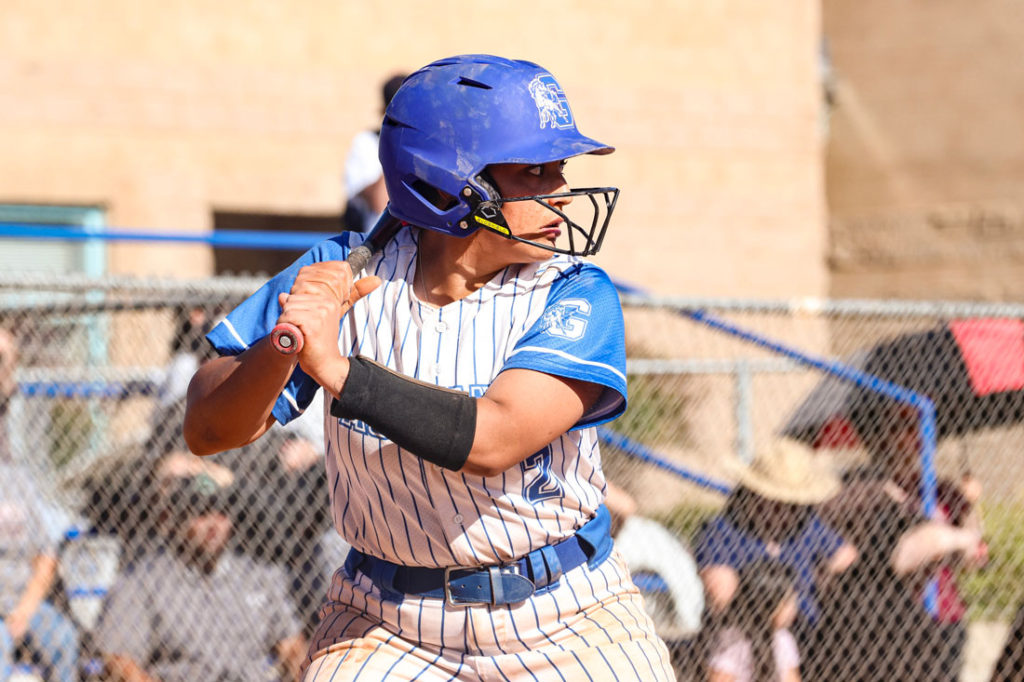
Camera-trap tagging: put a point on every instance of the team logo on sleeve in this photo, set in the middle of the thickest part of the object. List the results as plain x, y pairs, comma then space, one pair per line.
551, 102
567, 319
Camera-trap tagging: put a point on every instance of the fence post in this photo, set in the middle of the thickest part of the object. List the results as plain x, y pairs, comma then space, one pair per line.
744, 406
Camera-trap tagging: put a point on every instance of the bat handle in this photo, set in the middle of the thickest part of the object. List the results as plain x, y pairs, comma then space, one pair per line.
359, 257
286, 338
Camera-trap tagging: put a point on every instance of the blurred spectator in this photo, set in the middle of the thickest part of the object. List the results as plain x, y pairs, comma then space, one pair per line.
876, 614
282, 513
29, 542
365, 193
8, 386
121, 498
8, 390
770, 516
750, 640
278, 502
30, 537
188, 350
195, 611
178, 466
30, 534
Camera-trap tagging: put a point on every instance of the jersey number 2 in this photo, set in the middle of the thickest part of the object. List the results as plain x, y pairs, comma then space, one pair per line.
543, 487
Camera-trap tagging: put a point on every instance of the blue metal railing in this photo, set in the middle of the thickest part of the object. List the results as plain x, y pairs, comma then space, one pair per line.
234, 239
109, 390
640, 451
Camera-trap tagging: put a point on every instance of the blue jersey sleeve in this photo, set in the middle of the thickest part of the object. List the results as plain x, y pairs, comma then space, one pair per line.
256, 316
580, 335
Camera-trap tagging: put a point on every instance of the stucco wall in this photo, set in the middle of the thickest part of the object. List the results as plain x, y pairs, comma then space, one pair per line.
926, 160
164, 112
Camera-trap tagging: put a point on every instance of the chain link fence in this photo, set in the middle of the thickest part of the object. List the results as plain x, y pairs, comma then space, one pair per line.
854, 460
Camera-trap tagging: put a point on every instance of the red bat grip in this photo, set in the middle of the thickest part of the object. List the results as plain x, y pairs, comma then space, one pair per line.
287, 338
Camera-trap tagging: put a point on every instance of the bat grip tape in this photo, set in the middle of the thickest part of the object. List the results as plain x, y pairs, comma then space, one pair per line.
434, 423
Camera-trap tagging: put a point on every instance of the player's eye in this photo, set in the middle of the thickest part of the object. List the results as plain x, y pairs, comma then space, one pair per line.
540, 169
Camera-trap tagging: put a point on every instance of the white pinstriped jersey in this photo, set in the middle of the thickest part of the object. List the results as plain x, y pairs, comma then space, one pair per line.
561, 317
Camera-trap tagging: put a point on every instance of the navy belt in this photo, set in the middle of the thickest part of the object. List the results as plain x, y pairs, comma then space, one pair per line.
509, 583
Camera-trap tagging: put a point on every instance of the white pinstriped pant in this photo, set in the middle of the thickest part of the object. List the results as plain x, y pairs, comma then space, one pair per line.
591, 627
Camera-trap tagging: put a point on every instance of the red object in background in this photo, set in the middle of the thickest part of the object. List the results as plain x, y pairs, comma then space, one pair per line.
972, 369
993, 351
836, 433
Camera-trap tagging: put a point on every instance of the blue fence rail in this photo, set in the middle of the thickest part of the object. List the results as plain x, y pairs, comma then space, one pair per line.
224, 239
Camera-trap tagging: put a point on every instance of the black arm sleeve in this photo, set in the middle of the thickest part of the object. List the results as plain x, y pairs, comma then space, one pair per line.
434, 423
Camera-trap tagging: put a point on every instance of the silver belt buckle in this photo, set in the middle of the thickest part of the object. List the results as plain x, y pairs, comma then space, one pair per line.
496, 590
451, 599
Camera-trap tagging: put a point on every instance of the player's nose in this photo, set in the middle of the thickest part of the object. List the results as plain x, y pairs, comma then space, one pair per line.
560, 201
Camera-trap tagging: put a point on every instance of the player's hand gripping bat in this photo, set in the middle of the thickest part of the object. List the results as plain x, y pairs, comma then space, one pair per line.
287, 338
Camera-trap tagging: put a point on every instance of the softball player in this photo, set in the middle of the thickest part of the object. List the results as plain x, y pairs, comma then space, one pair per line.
470, 365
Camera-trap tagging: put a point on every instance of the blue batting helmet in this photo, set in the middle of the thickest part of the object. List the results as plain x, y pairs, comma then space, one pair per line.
453, 118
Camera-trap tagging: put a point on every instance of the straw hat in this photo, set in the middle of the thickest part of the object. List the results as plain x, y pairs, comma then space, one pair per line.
788, 471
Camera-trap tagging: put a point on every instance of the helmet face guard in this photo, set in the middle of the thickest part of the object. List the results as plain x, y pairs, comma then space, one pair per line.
585, 222
455, 117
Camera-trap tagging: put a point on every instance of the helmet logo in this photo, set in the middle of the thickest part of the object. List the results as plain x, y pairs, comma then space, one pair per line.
551, 102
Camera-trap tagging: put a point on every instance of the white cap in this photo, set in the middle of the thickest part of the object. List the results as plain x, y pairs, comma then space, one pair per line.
362, 167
